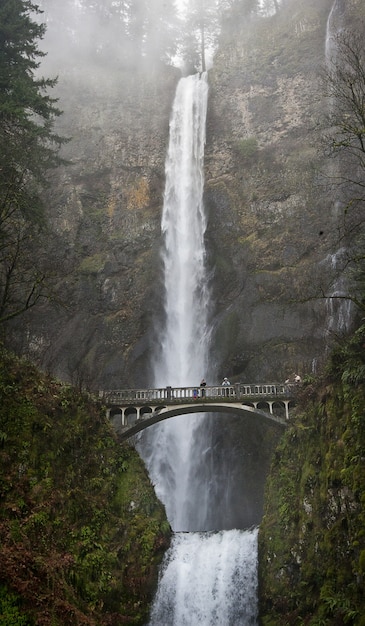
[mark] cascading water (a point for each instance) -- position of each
(181, 357)
(329, 42)
(339, 309)
(207, 578)
(184, 344)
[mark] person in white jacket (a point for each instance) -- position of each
(226, 383)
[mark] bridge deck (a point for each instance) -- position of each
(176, 395)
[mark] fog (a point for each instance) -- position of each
(134, 35)
(109, 33)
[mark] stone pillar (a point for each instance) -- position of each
(286, 404)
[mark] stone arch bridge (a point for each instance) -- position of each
(133, 410)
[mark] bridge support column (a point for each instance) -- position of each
(270, 406)
(286, 404)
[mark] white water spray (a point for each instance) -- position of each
(182, 355)
(184, 344)
(339, 308)
(207, 578)
(329, 42)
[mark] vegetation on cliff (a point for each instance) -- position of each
(81, 530)
(28, 150)
(312, 537)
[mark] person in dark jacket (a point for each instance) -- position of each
(202, 385)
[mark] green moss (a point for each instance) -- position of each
(362, 562)
(69, 535)
(246, 150)
(92, 264)
(311, 541)
(10, 613)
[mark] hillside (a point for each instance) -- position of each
(311, 540)
(81, 530)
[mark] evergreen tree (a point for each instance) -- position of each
(161, 31)
(201, 32)
(153, 30)
(28, 148)
(100, 28)
(235, 14)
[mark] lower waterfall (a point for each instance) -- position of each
(207, 578)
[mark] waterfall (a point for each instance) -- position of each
(339, 309)
(207, 578)
(204, 581)
(329, 43)
(181, 358)
(184, 343)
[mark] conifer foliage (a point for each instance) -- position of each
(28, 149)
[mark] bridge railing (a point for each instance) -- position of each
(236, 392)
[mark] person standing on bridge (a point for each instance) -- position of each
(226, 383)
(202, 385)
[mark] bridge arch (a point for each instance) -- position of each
(128, 424)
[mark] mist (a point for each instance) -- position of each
(108, 34)
(84, 36)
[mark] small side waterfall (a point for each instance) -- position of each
(339, 309)
(207, 578)
(329, 43)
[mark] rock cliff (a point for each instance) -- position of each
(271, 234)
(103, 242)
(272, 225)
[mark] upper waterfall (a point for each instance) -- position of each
(182, 358)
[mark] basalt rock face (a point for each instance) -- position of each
(104, 210)
(274, 209)
(271, 220)
(271, 226)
